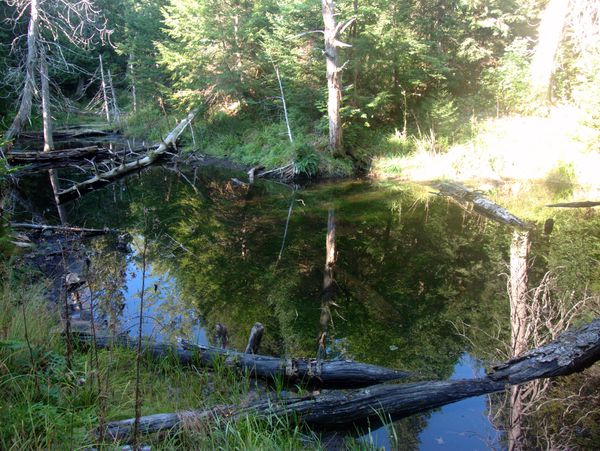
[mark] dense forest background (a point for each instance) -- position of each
(414, 73)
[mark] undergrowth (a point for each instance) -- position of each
(47, 405)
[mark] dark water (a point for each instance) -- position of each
(420, 284)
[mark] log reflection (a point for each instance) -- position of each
(328, 292)
(519, 253)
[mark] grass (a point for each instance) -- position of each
(46, 405)
(244, 140)
(517, 148)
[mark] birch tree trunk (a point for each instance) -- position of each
(104, 90)
(30, 68)
(115, 106)
(46, 113)
(334, 77)
(132, 78)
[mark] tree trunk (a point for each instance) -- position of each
(132, 79)
(572, 352)
(46, 113)
(62, 212)
(104, 90)
(114, 105)
(334, 77)
(285, 113)
(549, 36)
(30, 68)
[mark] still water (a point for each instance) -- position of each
(419, 283)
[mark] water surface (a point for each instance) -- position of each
(419, 283)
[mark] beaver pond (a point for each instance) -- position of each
(419, 283)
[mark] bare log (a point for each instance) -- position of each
(255, 338)
(329, 374)
(584, 204)
(71, 132)
(55, 155)
(124, 168)
(481, 205)
(572, 352)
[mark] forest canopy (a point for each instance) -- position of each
(388, 76)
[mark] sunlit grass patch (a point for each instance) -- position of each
(557, 148)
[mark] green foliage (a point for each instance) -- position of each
(149, 123)
(509, 80)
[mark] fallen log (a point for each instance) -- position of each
(55, 155)
(572, 352)
(42, 227)
(68, 133)
(125, 168)
(311, 372)
(484, 206)
(583, 204)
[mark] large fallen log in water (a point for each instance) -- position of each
(312, 372)
(103, 178)
(572, 352)
(481, 205)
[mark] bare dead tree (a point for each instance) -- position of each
(29, 66)
(51, 25)
(332, 30)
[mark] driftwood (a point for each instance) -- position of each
(329, 374)
(55, 155)
(572, 352)
(584, 204)
(125, 168)
(285, 173)
(481, 205)
(31, 226)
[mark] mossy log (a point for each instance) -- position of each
(572, 352)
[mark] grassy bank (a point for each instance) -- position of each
(54, 401)
(245, 140)
(558, 150)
